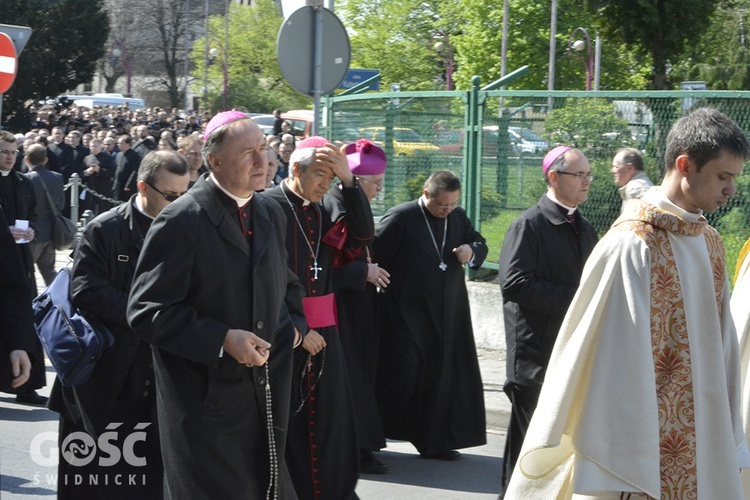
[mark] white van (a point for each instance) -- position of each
(89, 101)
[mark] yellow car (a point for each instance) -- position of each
(406, 142)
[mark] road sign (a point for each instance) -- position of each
(296, 46)
(19, 34)
(8, 62)
(356, 76)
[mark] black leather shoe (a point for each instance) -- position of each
(31, 398)
(368, 464)
(448, 456)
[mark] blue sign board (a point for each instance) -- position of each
(357, 76)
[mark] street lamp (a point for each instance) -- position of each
(441, 46)
(576, 48)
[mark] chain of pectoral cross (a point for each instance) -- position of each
(314, 254)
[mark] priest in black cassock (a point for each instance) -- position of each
(212, 296)
(355, 282)
(322, 450)
(430, 389)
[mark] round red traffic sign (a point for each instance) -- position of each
(8, 62)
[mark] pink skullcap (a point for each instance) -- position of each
(223, 118)
(313, 142)
(365, 158)
(553, 155)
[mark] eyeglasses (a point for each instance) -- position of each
(379, 183)
(169, 197)
(580, 175)
(448, 207)
(9, 152)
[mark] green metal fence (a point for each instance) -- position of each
(494, 140)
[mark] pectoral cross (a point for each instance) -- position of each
(315, 269)
(443, 266)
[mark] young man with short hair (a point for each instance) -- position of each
(642, 391)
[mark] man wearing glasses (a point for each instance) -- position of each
(430, 389)
(18, 201)
(121, 387)
(541, 261)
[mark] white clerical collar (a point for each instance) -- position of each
(241, 202)
(305, 201)
(551, 196)
(5, 173)
(138, 205)
(656, 197)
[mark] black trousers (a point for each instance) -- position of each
(524, 400)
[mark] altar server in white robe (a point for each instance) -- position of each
(642, 393)
(741, 314)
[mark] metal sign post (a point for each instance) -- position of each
(313, 52)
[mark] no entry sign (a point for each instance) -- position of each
(8, 62)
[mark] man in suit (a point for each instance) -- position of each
(214, 297)
(100, 167)
(44, 181)
(79, 152)
(18, 202)
(143, 143)
(541, 262)
(121, 387)
(126, 167)
(62, 151)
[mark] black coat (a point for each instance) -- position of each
(64, 154)
(78, 154)
(540, 268)
(45, 214)
(103, 270)
(16, 317)
(143, 147)
(126, 173)
(197, 277)
(22, 205)
(429, 386)
(121, 387)
(101, 181)
(359, 331)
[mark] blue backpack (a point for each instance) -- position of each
(73, 343)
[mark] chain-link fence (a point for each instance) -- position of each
(501, 167)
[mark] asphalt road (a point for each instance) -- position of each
(28, 438)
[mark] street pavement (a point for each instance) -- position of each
(28, 439)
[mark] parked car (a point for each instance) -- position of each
(452, 142)
(528, 141)
(301, 121)
(265, 122)
(406, 142)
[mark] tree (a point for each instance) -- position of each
(254, 79)
(659, 29)
(721, 58)
(398, 38)
(151, 36)
(61, 54)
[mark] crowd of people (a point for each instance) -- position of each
(242, 287)
(269, 336)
